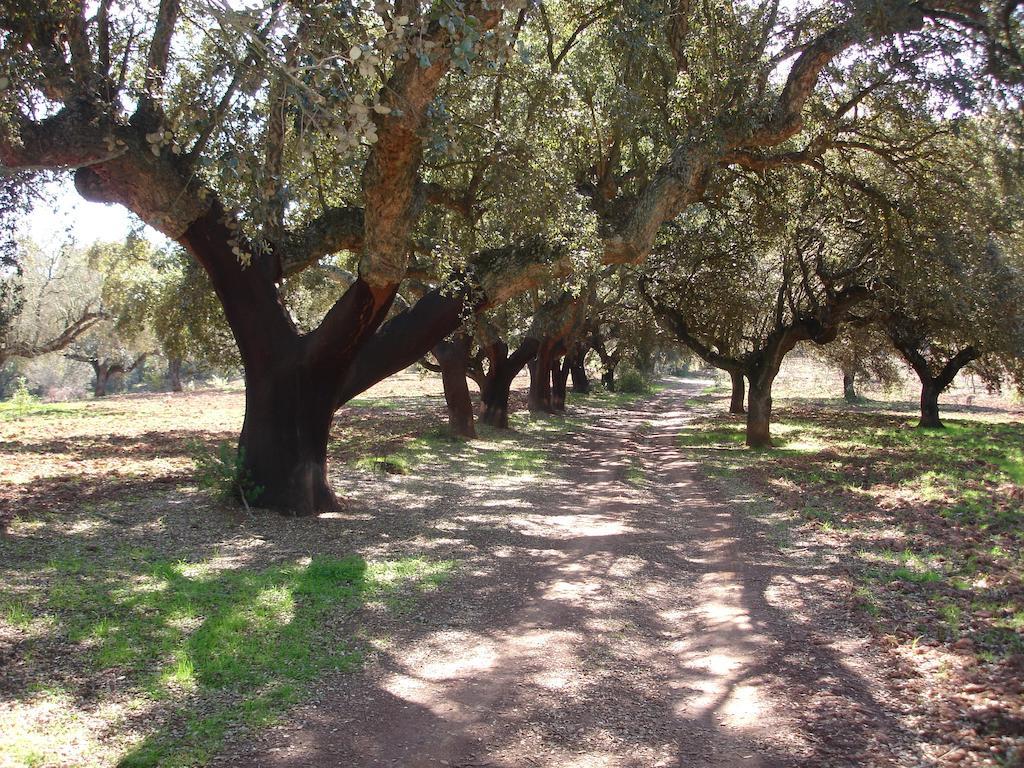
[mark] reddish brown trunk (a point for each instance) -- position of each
(738, 393)
(559, 379)
(930, 391)
(174, 374)
(502, 370)
(292, 382)
(759, 416)
(283, 446)
(453, 357)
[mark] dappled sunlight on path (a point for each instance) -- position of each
(616, 614)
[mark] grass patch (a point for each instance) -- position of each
(12, 410)
(216, 648)
(495, 453)
(951, 497)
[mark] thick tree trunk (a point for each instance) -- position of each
(930, 390)
(738, 392)
(576, 361)
(174, 374)
(502, 371)
(759, 415)
(580, 382)
(608, 378)
(495, 396)
(106, 378)
(850, 385)
(283, 446)
(539, 399)
(453, 356)
(560, 377)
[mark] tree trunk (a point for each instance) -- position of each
(578, 369)
(738, 392)
(560, 377)
(104, 375)
(580, 382)
(930, 391)
(174, 374)
(849, 385)
(539, 399)
(608, 378)
(759, 415)
(502, 371)
(283, 446)
(495, 396)
(453, 356)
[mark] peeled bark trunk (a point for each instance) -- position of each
(560, 377)
(608, 379)
(849, 386)
(759, 416)
(283, 446)
(931, 385)
(539, 399)
(576, 360)
(738, 392)
(107, 375)
(101, 387)
(930, 391)
(502, 371)
(495, 398)
(174, 374)
(292, 382)
(453, 356)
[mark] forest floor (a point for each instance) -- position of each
(621, 586)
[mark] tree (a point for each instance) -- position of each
(860, 352)
(795, 276)
(49, 300)
(952, 292)
(278, 112)
(330, 123)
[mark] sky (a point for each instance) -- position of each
(77, 219)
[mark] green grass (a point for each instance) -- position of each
(12, 410)
(952, 494)
(495, 453)
(223, 647)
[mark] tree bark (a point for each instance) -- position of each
(576, 359)
(608, 378)
(738, 392)
(453, 357)
(930, 391)
(174, 374)
(539, 399)
(580, 382)
(849, 385)
(502, 370)
(101, 386)
(283, 446)
(560, 377)
(759, 415)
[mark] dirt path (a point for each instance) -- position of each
(617, 614)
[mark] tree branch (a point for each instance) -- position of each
(336, 229)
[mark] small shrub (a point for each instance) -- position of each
(223, 472)
(22, 400)
(631, 381)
